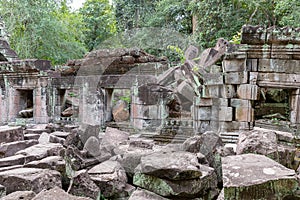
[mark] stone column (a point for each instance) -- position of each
(295, 107)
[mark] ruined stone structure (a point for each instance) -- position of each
(256, 79)
(241, 91)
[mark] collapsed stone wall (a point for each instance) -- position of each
(266, 58)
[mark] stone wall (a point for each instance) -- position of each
(266, 59)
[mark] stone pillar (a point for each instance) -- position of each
(295, 107)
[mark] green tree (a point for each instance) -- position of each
(43, 29)
(99, 22)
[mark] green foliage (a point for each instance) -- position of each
(43, 29)
(99, 22)
(178, 51)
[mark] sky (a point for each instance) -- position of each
(77, 4)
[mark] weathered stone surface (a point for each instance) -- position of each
(171, 165)
(74, 139)
(120, 111)
(130, 158)
(33, 179)
(141, 194)
(199, 187)
(110, 177)
(40, 151)
(26, 113)
(236, 65)
(114, 136)
(251, 176)
(61, 134)
(55, 139)
(98, 150)
(24, 195)
(248, 91)
(11, 134)
(12, 160)
(210, 145)
(69, 112)
(265, 142)
(2, 191)
(44, 138)
(9, 149)
(57, 193)
(82, 185)
(52, 162)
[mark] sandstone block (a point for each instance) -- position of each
(29, 179)
(141, 194)
(236, 77)
(11, 134)
(24, 195)
(244, 114)
(236, 65)
(9, 149)
(248, 91)
(250, 172)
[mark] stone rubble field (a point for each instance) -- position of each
(71, 162)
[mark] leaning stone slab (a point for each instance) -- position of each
(24, 195)
(181, 189)
(141, 194)
(2, 191)
(251, 176)
(9, 149)
(31, 179)
(11, 134)
(57, 193)
(40, 151)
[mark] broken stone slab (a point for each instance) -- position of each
(52, 162)
(130, 158)
(210, 145)
(11, 134)
(40, 151)
(24, 195)
(9, 149)
(170, 165)
(69, 112)
(57, 193)
(141, 194)
(98, 150)
(33, 179)
(83, 185)
(110, 177)
(55, 139)
(265, 142)
(114, 136)
(252, 176)
(37, 129)
(12, 160)
(192, 188)
(31, 136)
(60, 134)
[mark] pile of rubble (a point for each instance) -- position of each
(70, 162)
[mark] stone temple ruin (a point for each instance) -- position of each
(256, 83)
(107, 120)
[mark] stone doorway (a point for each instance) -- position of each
(25, 107)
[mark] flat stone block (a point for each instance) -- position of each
(198, 101)
(204, 113)
(252, 176)
(238, 65)
(277, 65)
(244, 114)
(221, 113)
(236, 77)
(29, 179)
(240, 103)
(252, 65)
(219, 91)
(11, 134)
(248, 91)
